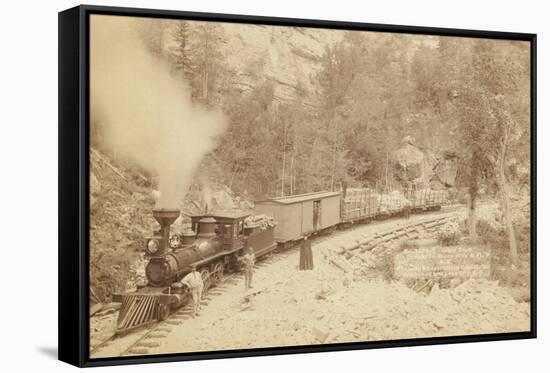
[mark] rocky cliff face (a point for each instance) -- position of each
(289, 57)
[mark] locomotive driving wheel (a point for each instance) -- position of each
(217, 274)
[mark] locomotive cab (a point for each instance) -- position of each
(228, 226)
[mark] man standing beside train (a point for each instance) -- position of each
(306, 255)
(248, 261)
(193, 280)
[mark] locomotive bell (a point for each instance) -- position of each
(165, 217)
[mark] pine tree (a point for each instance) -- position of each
(181, 56)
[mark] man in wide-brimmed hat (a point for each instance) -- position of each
(193, 280)
(248, 260)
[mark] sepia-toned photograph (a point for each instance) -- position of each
(264, 186)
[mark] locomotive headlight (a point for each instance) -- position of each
(152, 247)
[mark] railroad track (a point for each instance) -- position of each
(138, 341)
(150, 336)
(372, 241)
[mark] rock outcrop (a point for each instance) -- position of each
(413, 165)
(446, 169)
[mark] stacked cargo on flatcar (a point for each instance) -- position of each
(426, 199)
(363, 204)
(359, 204)
(393, 203)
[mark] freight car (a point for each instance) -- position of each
(321, 212)
(301, 215)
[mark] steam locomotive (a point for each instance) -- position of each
(216, 240)
(213, 244)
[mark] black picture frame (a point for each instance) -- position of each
(74, 183)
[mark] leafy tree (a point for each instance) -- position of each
(495, 115)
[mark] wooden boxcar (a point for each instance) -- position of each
(302, 214)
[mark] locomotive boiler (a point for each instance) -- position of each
(171, 257)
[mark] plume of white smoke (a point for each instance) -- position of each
(145, 111)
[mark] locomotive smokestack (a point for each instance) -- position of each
(165, 217)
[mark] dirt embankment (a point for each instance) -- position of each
(120, 218)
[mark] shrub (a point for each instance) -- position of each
(491, 235)
(407, 245)
(462, 196)
(386, 266)
(449, 234)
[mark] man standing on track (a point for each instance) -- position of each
(193, 280)
(248, 261)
